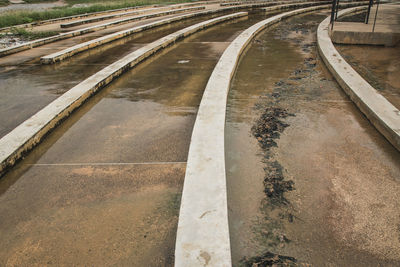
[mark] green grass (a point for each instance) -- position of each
(37, 1)
(28, 35)
(13, 18)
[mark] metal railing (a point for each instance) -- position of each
(335, 10)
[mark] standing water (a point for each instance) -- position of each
(310, 180)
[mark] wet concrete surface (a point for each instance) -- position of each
(104, 187)
(27, 88)
(33, 55)
(320, 186)
(378, 65)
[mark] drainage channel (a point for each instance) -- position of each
(310, 180)
(104, 187)
(26, 89)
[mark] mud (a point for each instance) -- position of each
(269, 259)
(267, 128)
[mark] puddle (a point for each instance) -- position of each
(307, 174)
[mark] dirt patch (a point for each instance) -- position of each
(268, 128)
(270, 259)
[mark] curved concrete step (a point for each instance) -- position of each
(124, 14)
(50, 21)
(381, 113)
(62, 36)
(203, 231)
(28, 134)
(71, 51)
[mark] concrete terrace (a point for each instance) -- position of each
(212, 133)
(386, 31)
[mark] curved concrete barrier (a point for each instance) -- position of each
(29, 133)
(382, 114)
(203, 231)
(50, 21)
(295, 5)
(130, 13)
(62, 36)
(98, 13)
(106, 17)
(73, 50)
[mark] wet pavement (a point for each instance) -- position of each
(104, 187)
(27, 88)
(310, 181)
(378, 65)
(33, 55)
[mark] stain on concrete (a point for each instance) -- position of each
(205, 257)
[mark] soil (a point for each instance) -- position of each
(10, 40)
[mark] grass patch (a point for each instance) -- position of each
(38, 1)
(13, 18)
(28, 35)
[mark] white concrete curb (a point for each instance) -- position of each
(203, 231)
(66, 35)
(129, 13)
(73, 50)
(107, 17)
(295, 5)
(29, 133)
(382, 114)
(98, 13)
(50, 21)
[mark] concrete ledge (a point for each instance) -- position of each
(101, 18)
(50, 21)
(236, 3)
(62, 36)
(253, 5)
(295, 5)
(381, 113)
(361, 33)
(136, 12)
(203, 231)
(264, 3)
(85, 15)
(69, 52)
(28, 134)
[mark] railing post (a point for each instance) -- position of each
(337, 9)
(371, 2)
(376, 14)
(333, 13)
